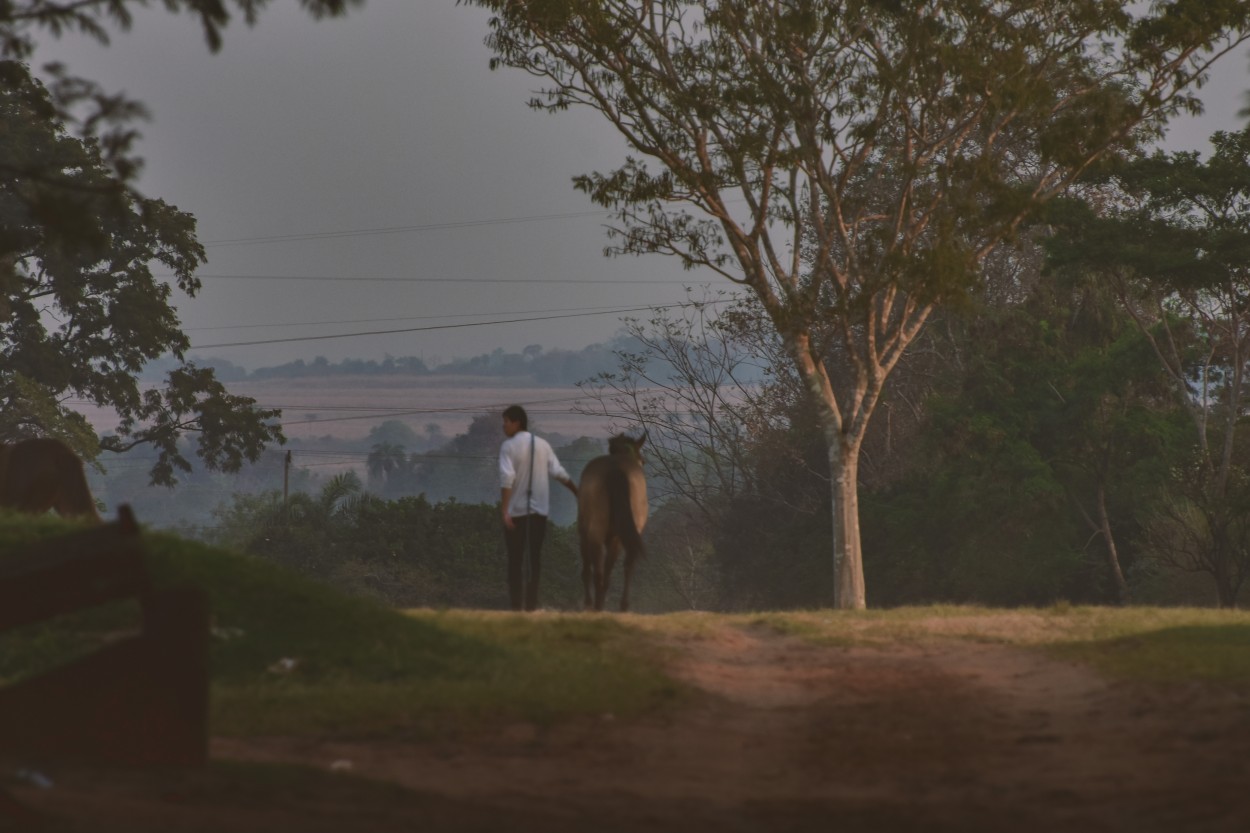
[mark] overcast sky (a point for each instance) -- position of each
(380, 151)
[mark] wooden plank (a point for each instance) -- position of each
(141, 701)
(72, 572)
(138, 701)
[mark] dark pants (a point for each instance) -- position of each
(531, 528)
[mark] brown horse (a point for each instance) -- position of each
(611, 513)
(41, 474)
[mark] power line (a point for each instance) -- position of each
(387, 409)
(438, 327)
(467, 408)
(391, 413)
(605, 415)
(330, 235)
(452, 409)
(380, 279)
(378, 230)
(342, 458)
(382, 320)
(374, 413)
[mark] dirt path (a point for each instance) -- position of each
(954, 735)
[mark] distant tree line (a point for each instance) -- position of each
(546, 367)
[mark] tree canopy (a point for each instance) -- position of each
(81, 311)
(1170, 234)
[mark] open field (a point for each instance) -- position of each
(340, 405)
(348, 406)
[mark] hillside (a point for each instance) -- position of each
(354, 665)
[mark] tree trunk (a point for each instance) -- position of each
(1225, 589)
(1226, 597)
(844, 436)
(848, 559)
(1113, 557)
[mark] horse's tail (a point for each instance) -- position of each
(74, 498)
(621, 514)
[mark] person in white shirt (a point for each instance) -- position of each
(526, 464)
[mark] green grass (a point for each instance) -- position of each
(1209, 653)
(360, 667)
(535, 669)
(363, 669)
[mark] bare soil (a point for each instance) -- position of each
(950, 735)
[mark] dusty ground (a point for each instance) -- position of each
(954, 735)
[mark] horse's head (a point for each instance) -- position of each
(622, 444)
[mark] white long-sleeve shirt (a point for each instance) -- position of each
(514, 473)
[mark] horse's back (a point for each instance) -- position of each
(44, 473)
(611, 513)
(594, 496)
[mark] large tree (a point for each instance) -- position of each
(852, 163)
(80, 309)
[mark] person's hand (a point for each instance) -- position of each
(507, 522)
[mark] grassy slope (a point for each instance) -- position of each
(363, 669)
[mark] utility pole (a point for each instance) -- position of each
(286, 485)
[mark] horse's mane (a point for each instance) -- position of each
(624, 442)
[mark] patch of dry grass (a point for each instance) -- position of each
(1166, 645)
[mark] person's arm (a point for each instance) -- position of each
(507, 478)
(505, 498)
(557, 471)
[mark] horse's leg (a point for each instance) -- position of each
(630, 558)
(589, 557)
(611, 549)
